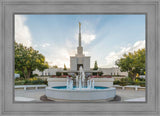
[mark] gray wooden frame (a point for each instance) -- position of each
(9, 7)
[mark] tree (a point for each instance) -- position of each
(55, 66)
(100, 73)
(65, 68)
(58, 74)
(95, 66)
(133, 63)
(28, 59)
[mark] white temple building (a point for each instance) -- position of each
(80, 60)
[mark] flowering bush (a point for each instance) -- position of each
(129, 81)
(31, 81)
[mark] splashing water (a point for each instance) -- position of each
(80, 81)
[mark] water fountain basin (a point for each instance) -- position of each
(96, 93)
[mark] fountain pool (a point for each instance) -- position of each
(83, 90)
(75, 88)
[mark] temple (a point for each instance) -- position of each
(79, 59)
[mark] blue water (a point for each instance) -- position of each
(64, 87)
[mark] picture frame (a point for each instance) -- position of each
(10, 7)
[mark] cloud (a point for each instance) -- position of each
(59, 57)
(60, 54)
(57, 54)
(86, 53)
(22, 32)
(113, 56)
(45, 45)
(87, 38)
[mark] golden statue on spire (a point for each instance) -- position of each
(79, 24)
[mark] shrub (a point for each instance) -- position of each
(137, 82)
(58, 74)
(32, 81)
(123, 83)
(129, 81)
(27, 82)
(141, 79)
(124, 79)
(100, 73)
(65, 73)
(116, 82)
(18, 79)
(19, 82)
(34, 75)
(94, 73)
(45, 82)
(142, 84)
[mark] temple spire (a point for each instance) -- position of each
(79, 27)
(79, 33)
(79, 48)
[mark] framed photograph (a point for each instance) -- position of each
(90, 66)
(79, 57)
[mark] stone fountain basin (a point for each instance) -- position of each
(83, 94)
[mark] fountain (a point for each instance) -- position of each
(80, 82)
(84, 90)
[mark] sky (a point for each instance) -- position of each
(104, 37)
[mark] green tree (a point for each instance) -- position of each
(133, 63)
(95, 66)
(65, 68)
(58, 74)
(28, 59)
(55, 66)
(100, 73)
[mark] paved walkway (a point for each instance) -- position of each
(36, 94)
(130, 94)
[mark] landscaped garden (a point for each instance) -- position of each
(133, 63)
(128, 81)
(31, 81)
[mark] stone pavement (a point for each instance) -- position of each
(130, 94)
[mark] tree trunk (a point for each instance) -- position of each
(131, 74)
(128, 73)
(24, 74)
(134, 76)
(28, 74)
